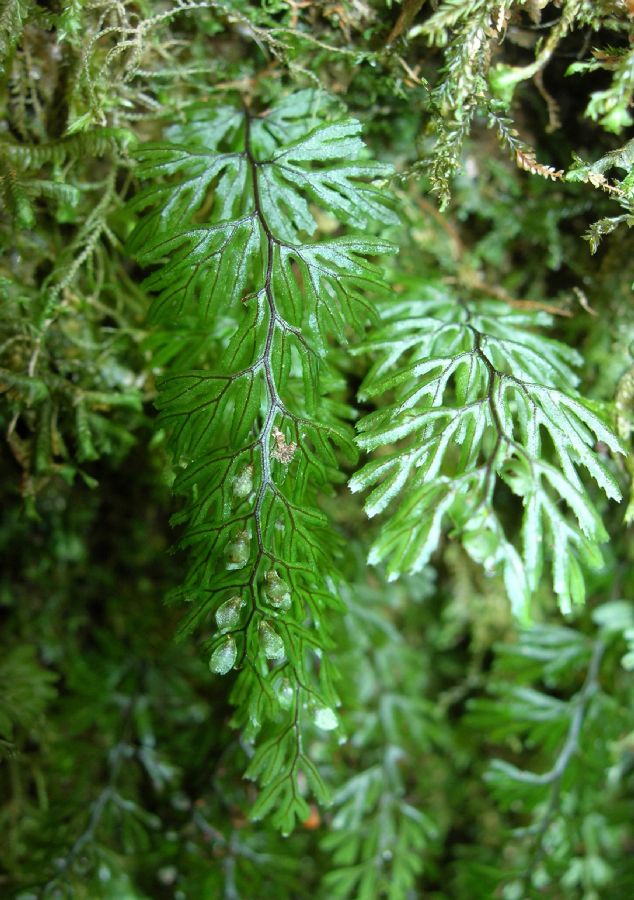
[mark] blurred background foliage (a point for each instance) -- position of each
(476, 759)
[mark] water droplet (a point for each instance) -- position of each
(224, 656)
(243, 482)
(167, 875)
(285, 693)
(104, 874)
(276, 591)
(325, 718)
(228, 614)
(238, 550)
(271, 642)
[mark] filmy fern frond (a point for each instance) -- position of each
(481, 401)
(255, 431)
(379, 840)
(547, 695)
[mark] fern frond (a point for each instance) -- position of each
(97, 142)
(481, 401)
(547, 695)
(256, 438)
(380, 839)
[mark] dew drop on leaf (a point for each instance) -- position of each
(284, 692)
(243, 482)
(276, 591)
(228, 614)
(224, 656)
(325, 718)
(238, 550)
(270, 641)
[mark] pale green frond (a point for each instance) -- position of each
(478, 396)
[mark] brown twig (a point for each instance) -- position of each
(474, 283)
(406, 17)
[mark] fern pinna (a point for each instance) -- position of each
(257, 430)
(481, 401)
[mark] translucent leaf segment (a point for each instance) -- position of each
(479, 400)
(230, 215)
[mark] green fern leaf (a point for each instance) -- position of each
(230, 209)
(480, 400)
